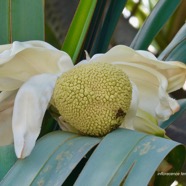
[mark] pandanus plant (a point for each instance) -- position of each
(111, 106)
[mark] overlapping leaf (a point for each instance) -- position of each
(154, 23)
(120, 158)
(52, 160)
(115, 9)
(129, 158)
(78, 29)
(176, 49)
(7, 159)
(21, 20)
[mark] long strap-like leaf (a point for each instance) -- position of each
(130, 158)
(52, 160)
(158, 17)
(78, 29)
(111, 19)
(21, 20)
(176, 49)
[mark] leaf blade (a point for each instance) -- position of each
(109, 24)
(53, 143)
(48, 150)
(178, 40)
(19, 23)
(7, 159)
(106, 160)
(4, 20)
(118, 159)
(27, 20)
(154, 23)
(78, 29)
(64, 160)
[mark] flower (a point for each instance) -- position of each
(93, 98)
(153, 79)
(29, 71)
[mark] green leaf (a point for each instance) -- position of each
(158, 17)
(52, 160)
(21, 20)
(177, 115)
(176, 49)
(78, 29)
(109, 23)
(4, 21)
(120, 158)
(27, 20)
(123, 156)
(7, 159)
(178, 52)
(94, 27)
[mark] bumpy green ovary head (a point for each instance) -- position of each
(93, 98)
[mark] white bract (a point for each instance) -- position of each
(28, 73)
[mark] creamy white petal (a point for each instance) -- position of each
(129, 118)
(6, 108)
(30, 105)
(146, 54)
(7, 99)
(87, 55)
(167, 107)
(22, 60)
(152, 86)
(9, 84)
(174, 71)
(140, 120)
(146, 123)
(152, 77)
(5, 47)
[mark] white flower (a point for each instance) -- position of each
(28, 73)
(154, 79)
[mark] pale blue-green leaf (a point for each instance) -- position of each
(147, 156)
(153, 24)
(34, 163)
(47, 152)
(177, 53)
(108, 156)
(64, 160)
(122, 157)
(177, 40)
(7, 159)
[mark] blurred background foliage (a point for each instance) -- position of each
(59, 15)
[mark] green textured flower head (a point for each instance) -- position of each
(93, 98)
